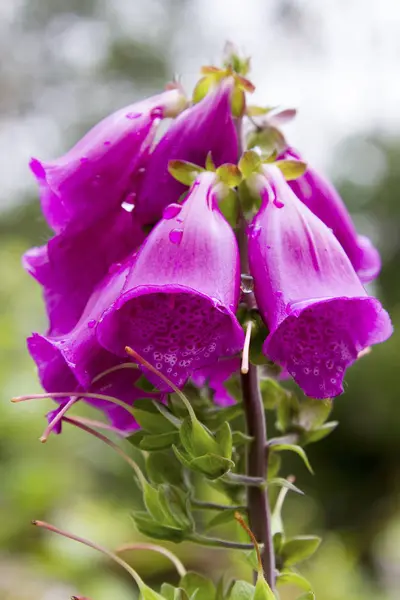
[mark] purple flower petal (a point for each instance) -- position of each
(216, 375)
(205, 127)
(324, 201)
(319, 315)
(178, 305)
(100, 170)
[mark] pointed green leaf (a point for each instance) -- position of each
(147, 593)
(191, 582)
(285, 483)
(168, 591)
(147, 526)
(223, 517)
(152, 503)
(202, 88)
(162, 467)
(293, 448)
(183, 457)
(320, 433)
(229, 174)
(149, 417)
(239, 439)
(174, 502)
(223, 437)
(268, 139)
(299, 548)
(196, 439)
(263, 591)
(272, 393)
(258, 111)
(313, 413)
(238, 101)
(287, 412)
(291, 169)
(212, 465)
(293, 578)
(210, 166)
(159, 441)
(184, 171)
(274, 464)
(242, 591)
(136, 438)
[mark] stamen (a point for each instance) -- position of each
(364, 352)
(77, 422)
(155, 548)
(150, 367)
(81, 395)
(251, 535)
(43, 525)
(57, 419)
(246, 349)
(98, 424)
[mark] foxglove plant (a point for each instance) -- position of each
(184, 274)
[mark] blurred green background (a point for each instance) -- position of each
(65, 64)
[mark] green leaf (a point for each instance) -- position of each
(152, 503)
(217, 416)
(147, 593)
(229, 174)
(258, 111)
(212, 465)
(168, 591)
(149, 417)
(191, 582)
(307, 596)
(162, 467)
(144, 384)
(293, 578)
(223, 517)
(274, 464)
(242, 591)
(285, 483)
(183, 457)
(291, 169)
(300, 548)
(268, 139)
(175, 504)
(159, 441)
(263, 591)
(320, 433)
(287, 412)
(249, 162)
(147, 526)
(272, 393)
(196, 439)
(293, 448)
(223, 437)
(136, 438)
(251, 559)
(313, 413)
(184, 171)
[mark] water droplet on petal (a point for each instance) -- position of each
(246, 283)
(176, 235)
(91, 323)
(278, 203)
(157, 112)
(127, 206)
(171, 211)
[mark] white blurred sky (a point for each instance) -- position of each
(337, 61)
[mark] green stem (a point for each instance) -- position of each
(204, 540)
(246, 480)
(214, 506)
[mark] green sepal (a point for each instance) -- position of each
(223, 437)
(268, 139)
(176, 505)
(238, 101)
(262, 590)
(293, 578)
(147, 593)
(212, 465)
(229, 206)
(229, 174)
(258, 111)
(153, 506)
(202, 88)
(194, 583)
(136, 438)
(287, 412)
(183, 171)
(159, 441)
(196, 439)
(242, 590)
(272, 393)
(147, 526)
(297, 549)
(210, 165)
(291, 169)
(144, 384)
(150, 418)
(249, 200)
(281, 482)
(215, 417)
(239, 439)
(293, 448)
(162, 467)
(274, 465)
(168, 591)
(249, 162)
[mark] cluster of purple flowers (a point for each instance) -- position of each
(137, 260)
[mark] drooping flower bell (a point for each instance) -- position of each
(216, 375)
(318, 314)
(323, 200)
(102, 169)
(206, 127)
(178, 305)
(74, 262)
(75, 362)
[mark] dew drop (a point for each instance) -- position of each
(176, 235)
(91, 323)
(157, 112)
(127, 206)
(171, 211)
(246, 283)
